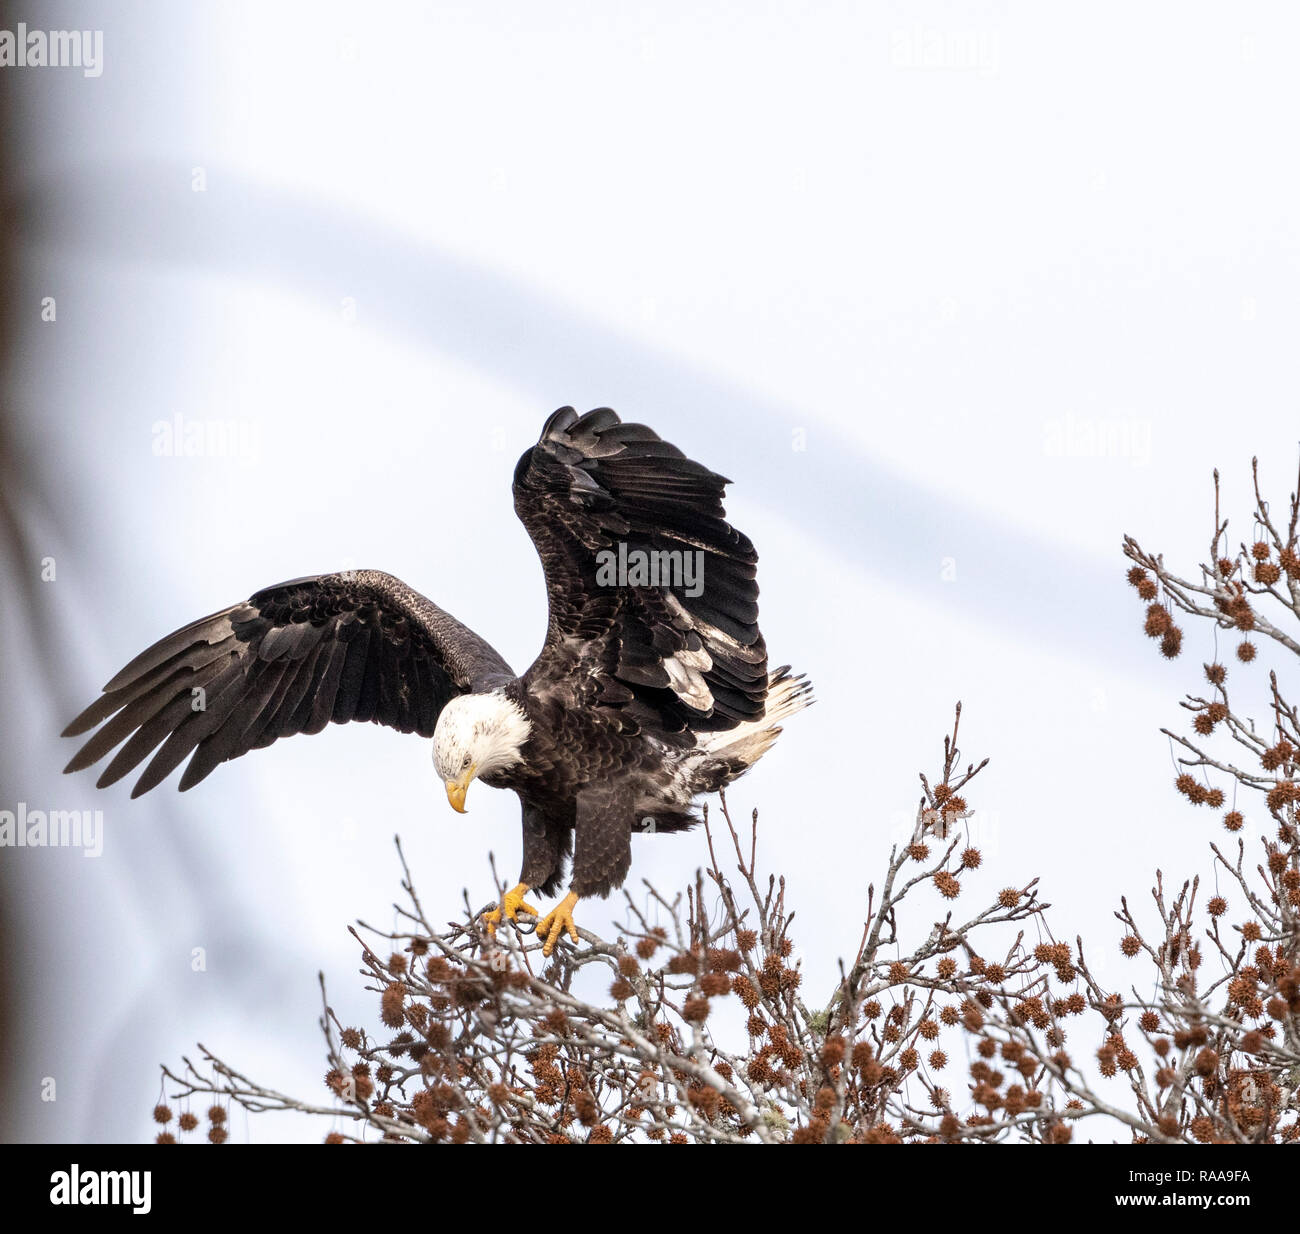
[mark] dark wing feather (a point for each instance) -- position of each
(660, 656)
(336, 647)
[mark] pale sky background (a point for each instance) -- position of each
(893, 269)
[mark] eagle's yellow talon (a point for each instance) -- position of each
(557, 922)
(512, 904)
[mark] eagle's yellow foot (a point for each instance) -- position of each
(512, 903)
(556, 922)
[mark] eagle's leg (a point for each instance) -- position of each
(512, 903)
(557, 922)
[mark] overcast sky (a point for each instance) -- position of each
(956, 295)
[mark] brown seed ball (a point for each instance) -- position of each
(1130, 945)
(1147, 590)
(1260, 550)
(1234, 820)
(1216, 674)
(162, 1114)
(164, 1137)
(188, 1121)
(1170, 647)
(216, 1114)
(1157, 621)
(217, 1135)
(947, 885)
(695, 1010)
(1246, 651)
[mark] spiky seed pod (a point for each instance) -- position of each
(1214, 798)
(1217, 906)
(1185, 783)
(715, 985)
(1216, 674)
(1289, 560)
(832, 1051)
(918, 852)
(1157, 621)
(390, 1005)
(1149, 1022)
(164, 1137)
(1267, 573)
(695, 1010)
(1135, 575)
(162, 1114)
(1130, 945)
(1226, 566)
(1203, 724)
(621, 990)
(1246, 651)
(1218, 712)
(1260, 550)
(1172, 643)
(1234, 820)
(216, 1115)
(1198, 794)
(947, 968)
(217, 1135)
(188, 1121)
(1280, 794)
(971, 858)
(1147, 590)
(1251, 932)
(1008, 897)
(947, 885)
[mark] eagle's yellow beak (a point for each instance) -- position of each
(456, 792)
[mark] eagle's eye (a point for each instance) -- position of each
(464, 763)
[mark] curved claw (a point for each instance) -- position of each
(512, 904)
(557, 922)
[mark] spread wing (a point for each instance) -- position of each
(360, 645)
(659, 654)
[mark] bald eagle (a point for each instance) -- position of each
(652, 688)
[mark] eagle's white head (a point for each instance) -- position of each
(476, 735)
